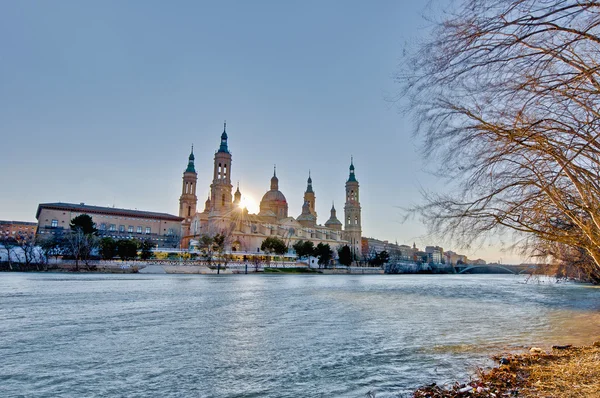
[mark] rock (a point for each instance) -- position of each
(596, 344)
(504, 361)
(536, 350)
(562, 347)
(465, 389)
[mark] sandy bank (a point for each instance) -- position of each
(559, 372)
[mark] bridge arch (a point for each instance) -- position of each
(470, 267)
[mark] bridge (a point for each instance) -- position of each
(494, 268)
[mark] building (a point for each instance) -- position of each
(453, 258)
(14, 228)
(162, 229)
(245, 232)
(435, 254)
(371, 246)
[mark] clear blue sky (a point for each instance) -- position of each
(100, 102)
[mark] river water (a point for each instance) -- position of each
(82, 335)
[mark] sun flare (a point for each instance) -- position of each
(250, 204)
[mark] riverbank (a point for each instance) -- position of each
(560, 372)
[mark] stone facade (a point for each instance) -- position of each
(162, 229)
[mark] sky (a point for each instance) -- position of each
(100, 102)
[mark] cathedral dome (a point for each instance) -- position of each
(274, 200)
(273, 196)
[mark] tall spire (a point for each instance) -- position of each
(351, 177)
(190, 167)
(223, 147)
(274, 180)
(309, 183)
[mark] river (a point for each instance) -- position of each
(133, 335)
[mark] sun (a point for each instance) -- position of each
(249, 203)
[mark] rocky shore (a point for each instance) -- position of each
(562, 371)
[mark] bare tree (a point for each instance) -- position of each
(53, 246)
(506, 96)
(8, 244)
(76, 241)
(30, 252)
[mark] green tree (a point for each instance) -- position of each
(146, 249)
(127, 249)
(81, 240)
(108, 248)
(323, 253)
(345, 255)
(85, 223)
(380, 258)
(273, 244)
(304, 248)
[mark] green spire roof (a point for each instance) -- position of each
(352, 177)
(190, 167)
(223, 147)
(309, 188)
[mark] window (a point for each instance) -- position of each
(113, 227)
(54, 223)
(121, 228)
(139, 230)
(130, 229)
(171, 232)
(102, 227)
(147, 230)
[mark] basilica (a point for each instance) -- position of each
(245, 232)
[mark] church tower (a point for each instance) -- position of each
(309, 196)
(220, 189)
(352, 218)
(188, 199)
(237, 197)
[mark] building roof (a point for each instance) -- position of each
(333, 221)
(7, 222)
(89, 209)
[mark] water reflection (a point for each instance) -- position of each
(271, 335)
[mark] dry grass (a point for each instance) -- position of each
(560, 373)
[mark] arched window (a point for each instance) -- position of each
(225, 171)
(223, 200)
(356, 220)
(189, 211)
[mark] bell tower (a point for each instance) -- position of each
(220, 189)
(309, 196)
(188, 199)
(352, 216)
